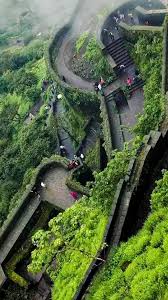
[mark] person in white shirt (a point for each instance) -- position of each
(43, 184)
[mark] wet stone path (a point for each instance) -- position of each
(56, 192)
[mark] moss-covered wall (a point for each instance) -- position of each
(131, 33)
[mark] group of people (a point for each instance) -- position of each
(63, 150)
(119, 17)
(73, 194)
(109, 33)
(99, 85)
(134, 79)
(75, 162)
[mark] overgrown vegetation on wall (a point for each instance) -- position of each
(148, 56)
(76, 235)
(138, 269)
(89, 62)
(74, 247)
(22, 145)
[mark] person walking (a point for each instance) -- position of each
(101, 81)
(63, 150)
(122, 68)
(111, 35)
(82, 156)
(43, 185)
(129, 81)
(74, 195)
(99, 87)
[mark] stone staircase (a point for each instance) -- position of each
(119, 53)
(21, 223)
(114, 120)
(92, 133)
(139, 83)
(112, 95)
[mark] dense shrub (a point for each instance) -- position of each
(148, 56)
(73, 237)
(137, 272)
(14, 60)
(22, 146)
(89, 62)
(138, 268)
(76, 235)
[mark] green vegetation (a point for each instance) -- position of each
(138, 269)
(74, 237)
(12, 60)
(93, 54)
(81, 41)
(22, 146)
(87, 103)
(72, 121)
(89, 62)
(26, 247)
(33, 142)
(77, 234)
(93, 159)
(148, 56)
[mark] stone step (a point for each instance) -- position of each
(115, 48)
(125, 61)
(115, 43)
(136, 85)
(120, 53)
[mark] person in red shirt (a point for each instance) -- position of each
(129, 81)
(74, 195)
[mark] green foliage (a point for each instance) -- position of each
(81, 41)
(16, 278)
(94, 55)
(88, 103)
(159, 197)
(76, 235)
(22, 146)
(72, 121)
(24, 250)
(92, 159)
(148, 55)
(138, 269)
(89, 62)
(14, 60)
(34, 142)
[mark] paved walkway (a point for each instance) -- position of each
(128, 111)
(63, 67)
(56, 191)
(128, 116)
(65, 138)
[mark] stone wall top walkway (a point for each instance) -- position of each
(56, 193)
(151, 11)
(63, 68)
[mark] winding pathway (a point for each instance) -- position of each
(125, 116)
(56, 193)
(63, 66)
